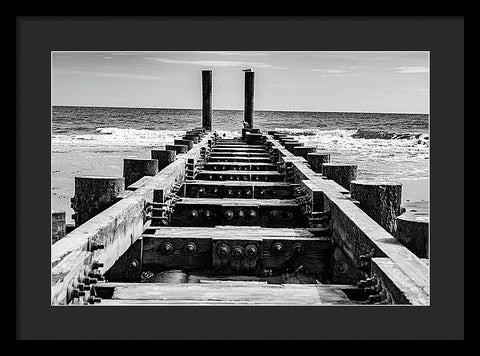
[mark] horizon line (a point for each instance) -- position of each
(268, 110)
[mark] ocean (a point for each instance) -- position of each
(94, 141)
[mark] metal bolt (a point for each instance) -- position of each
(252, 213)
(97, 246)
(238, 252)
(201, 191)
(277, 248)
(76, 293)
(96, 265)
(273, 215)
(132, 264)
(297, 248)
(248, 192)
(208, 214)
(88, 281)
(194, 213)
(251, 250)
(223, 250)
(166, 248)
(241, 214)
(228, 214)
(93, 300)
(190, 248)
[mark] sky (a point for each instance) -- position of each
(292, 81)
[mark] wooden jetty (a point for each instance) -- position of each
(250, 220)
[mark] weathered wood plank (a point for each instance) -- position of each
(231, 293)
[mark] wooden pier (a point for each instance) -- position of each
(250, 220)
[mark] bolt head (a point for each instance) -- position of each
(277, 248)
(297, 248)
(228, 214)
(190, 248)
(238, 252)
(194, 213)
(241, 214)
(166, 248)
(251, 250)
(223, 250)
(132, 264)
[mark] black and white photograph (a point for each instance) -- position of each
(240, 178)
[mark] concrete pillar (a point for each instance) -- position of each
(179, 149)
(188, 143)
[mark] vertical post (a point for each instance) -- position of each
(58, 225)
(249, 94)
(207, 100)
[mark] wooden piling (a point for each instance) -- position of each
(412, 230)
(95, 194)
(289, 145)
(134, 169)
(302, 151)
(207, 99)
(316, 161)
(343, 174)
(380, 200)
(177, 148)
(58, 225)
(249, 97)
(188, 143)
(164, 157)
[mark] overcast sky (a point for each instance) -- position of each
(294, 81)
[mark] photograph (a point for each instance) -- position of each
(240, 178)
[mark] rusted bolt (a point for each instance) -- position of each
(241, 214)
(223, 250)
(95, 275)
(215, 190)
(289, 215)
(248, 192)
(252, 213)
(76, 293)
(96, 265)
(97, 246)
(238, 252)
(88, 281)
(132, 264)
(194, 214)
(190, 248)
(93, 300)
(273, 215)
(239, 192)
(263, 192)
(277, 248)
(166, 248)
(228, 215)
(201, 191)
(251, 250)
(297, 248)
(207, 214)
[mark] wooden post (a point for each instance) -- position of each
(58, 225)
(249, 95)
(164, 157)
(177, 148)
(381, 201)
(134, 169)
(343, 174)
(95, 194)
(290, 144)
(207, 100)
(302, 151)
(316, 161)
(188, 143)
(412, 230)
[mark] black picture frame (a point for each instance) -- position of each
(442, 36)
